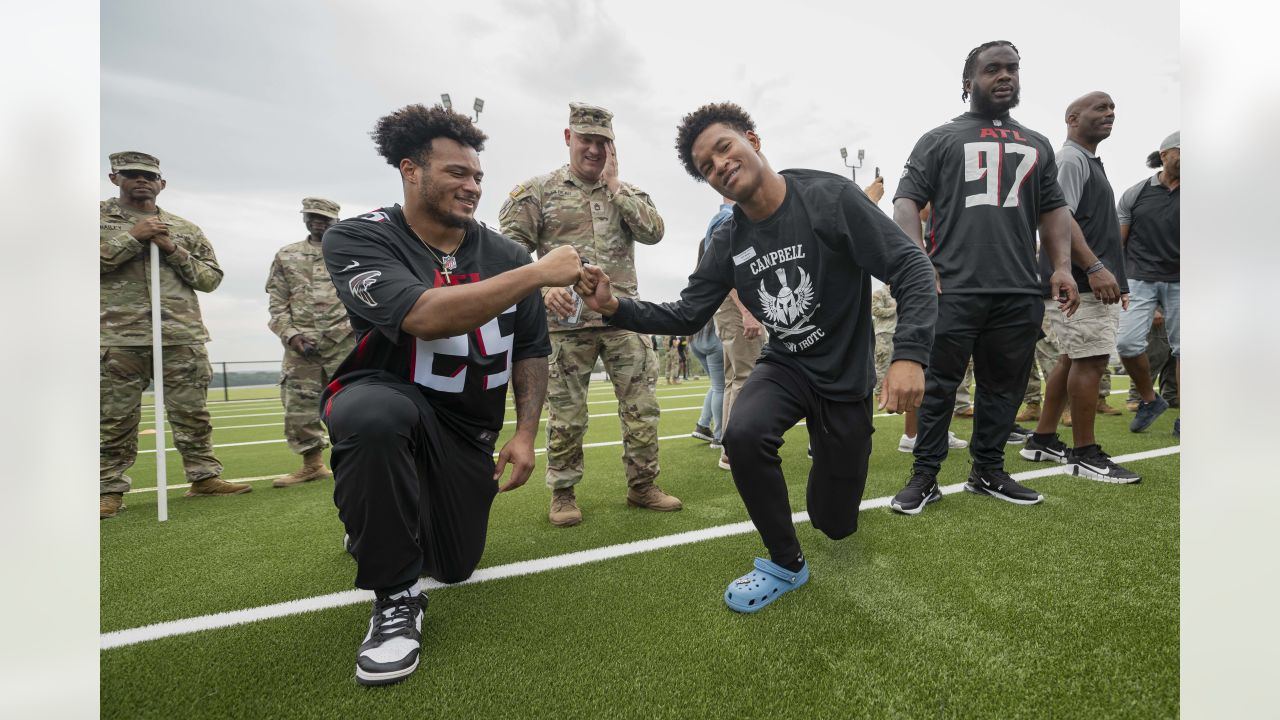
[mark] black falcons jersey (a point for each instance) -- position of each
(380, 269)
(989, 179)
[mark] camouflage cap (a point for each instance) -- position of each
(134, 160)
(320, 206)
(590, 120)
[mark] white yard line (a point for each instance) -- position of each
(132, 636)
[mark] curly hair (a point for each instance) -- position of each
(972, 60)
(692, 125)
(408, 132)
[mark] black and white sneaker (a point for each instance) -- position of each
(1052, 450)
(702, 432)
(921, 490)
(1018, 435)
(1091, 462)
(390, 650)
(998, 484)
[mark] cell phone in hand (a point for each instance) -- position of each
(877, 171)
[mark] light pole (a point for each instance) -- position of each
(853, 169)
(478, 106)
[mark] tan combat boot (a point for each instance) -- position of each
(312, 469)
(110, 505)
(564, 508)
(1030, 414)
(213, 487)
(1104, 408)
(650, 496)
(1066, 417)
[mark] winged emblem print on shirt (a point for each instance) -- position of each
(360, 285)
(789, 310)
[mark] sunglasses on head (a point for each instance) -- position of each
(135, 174)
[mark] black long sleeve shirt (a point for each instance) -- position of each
(805, 273)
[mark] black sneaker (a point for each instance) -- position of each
(1019, 435)
(1177, 428)
(391, 648)
(921, 490)
(1052, 450)
(1091, 462)
(998, 484)
(1147, 413)
(702, 432)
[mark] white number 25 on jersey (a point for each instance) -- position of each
(983, 159)
(491, 342)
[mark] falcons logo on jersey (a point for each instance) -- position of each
(790, 307)
(360, 284)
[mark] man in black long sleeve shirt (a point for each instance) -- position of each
(800, 250)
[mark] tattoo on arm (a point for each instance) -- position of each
(529, 382)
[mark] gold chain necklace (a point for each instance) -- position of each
(448, 262)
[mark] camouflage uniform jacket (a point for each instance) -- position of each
(560, 209)
(125, 280)
(303, 299)
(884, 311)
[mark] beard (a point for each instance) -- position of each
(436, 199)
(987, 105)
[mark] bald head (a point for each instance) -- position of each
(1089, 118)
(1085, 101)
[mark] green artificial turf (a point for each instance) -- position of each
(976, 608)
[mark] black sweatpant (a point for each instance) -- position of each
(772, 401)
(1000, 333)
(413, 493)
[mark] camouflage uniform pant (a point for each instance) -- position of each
(884, 356)
(632, 367)
(124, 374)
(964, 396)
(302, 379)
(740, 353)
(673, 365)
(1046, 358)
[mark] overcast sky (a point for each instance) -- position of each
(252, 106)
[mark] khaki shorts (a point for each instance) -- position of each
(1090, 332)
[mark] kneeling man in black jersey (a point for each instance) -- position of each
(800, 250)
(447, 312)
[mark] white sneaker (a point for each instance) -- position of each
(390, 650)
(908, 444)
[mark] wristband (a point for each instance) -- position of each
(1095, 268)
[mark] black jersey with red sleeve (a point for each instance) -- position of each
(380, 269)
(989, 179)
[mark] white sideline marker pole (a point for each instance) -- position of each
(157, 374)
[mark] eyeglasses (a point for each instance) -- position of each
(136, 174)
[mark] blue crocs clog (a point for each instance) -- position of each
(753, 591)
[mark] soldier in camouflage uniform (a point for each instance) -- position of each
(584, 204)
(312, 324)
(128, 225)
